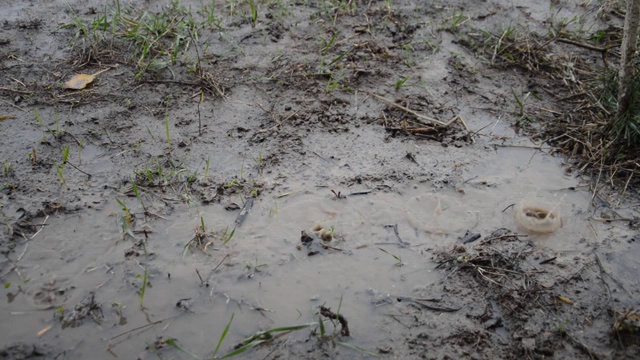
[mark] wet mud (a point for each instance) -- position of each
(301, 179)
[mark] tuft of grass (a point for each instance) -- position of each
(254, 12)
(455, 21)
(153, 40)
(624, 131)
(520, 101)
(400, 83)
(60, 168)
(125, 219)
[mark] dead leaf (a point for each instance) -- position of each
(5, 117)
(80, 81)
(565, 300)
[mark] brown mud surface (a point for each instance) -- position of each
(307, 179)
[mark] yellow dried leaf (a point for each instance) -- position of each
(5, 117)
(565, 300)
(80, 81)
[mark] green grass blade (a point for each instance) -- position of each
(230, 236)
(224, 334)
(322, 329)
(144, 287)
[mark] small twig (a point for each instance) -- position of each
(199, 277)
(547, 260)
(16, 91)
(420, 116)
(41, 227)
(74, 138)
(23, 251)
(625, 188)
(75, 167)
(585, 46)
(220, 263)
(142, 327)
(278, 123)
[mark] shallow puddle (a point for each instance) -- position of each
(262, 276)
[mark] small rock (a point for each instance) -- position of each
(529, 343)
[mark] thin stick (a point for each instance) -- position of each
(16, 91)
(25, 250)
(220, 263)
(75, 167)
(595, 188)
(142, 327)
(389, 102)
(37, 232)
(585, 46)
(625, 189)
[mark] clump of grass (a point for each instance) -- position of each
(60, 168)
(400, 83)
(623, 131)
(202, 239)
(254, 12)
(157, 39)
(125, 219)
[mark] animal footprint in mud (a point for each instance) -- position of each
(48, 296)
(538, 216)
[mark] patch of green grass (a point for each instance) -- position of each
(254, 12)
(210, 15)
(455, 21)
(400, 83)
(157, 39)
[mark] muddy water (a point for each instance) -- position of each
(262, 278)
(85, 251)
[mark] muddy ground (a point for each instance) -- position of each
(307, 179)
